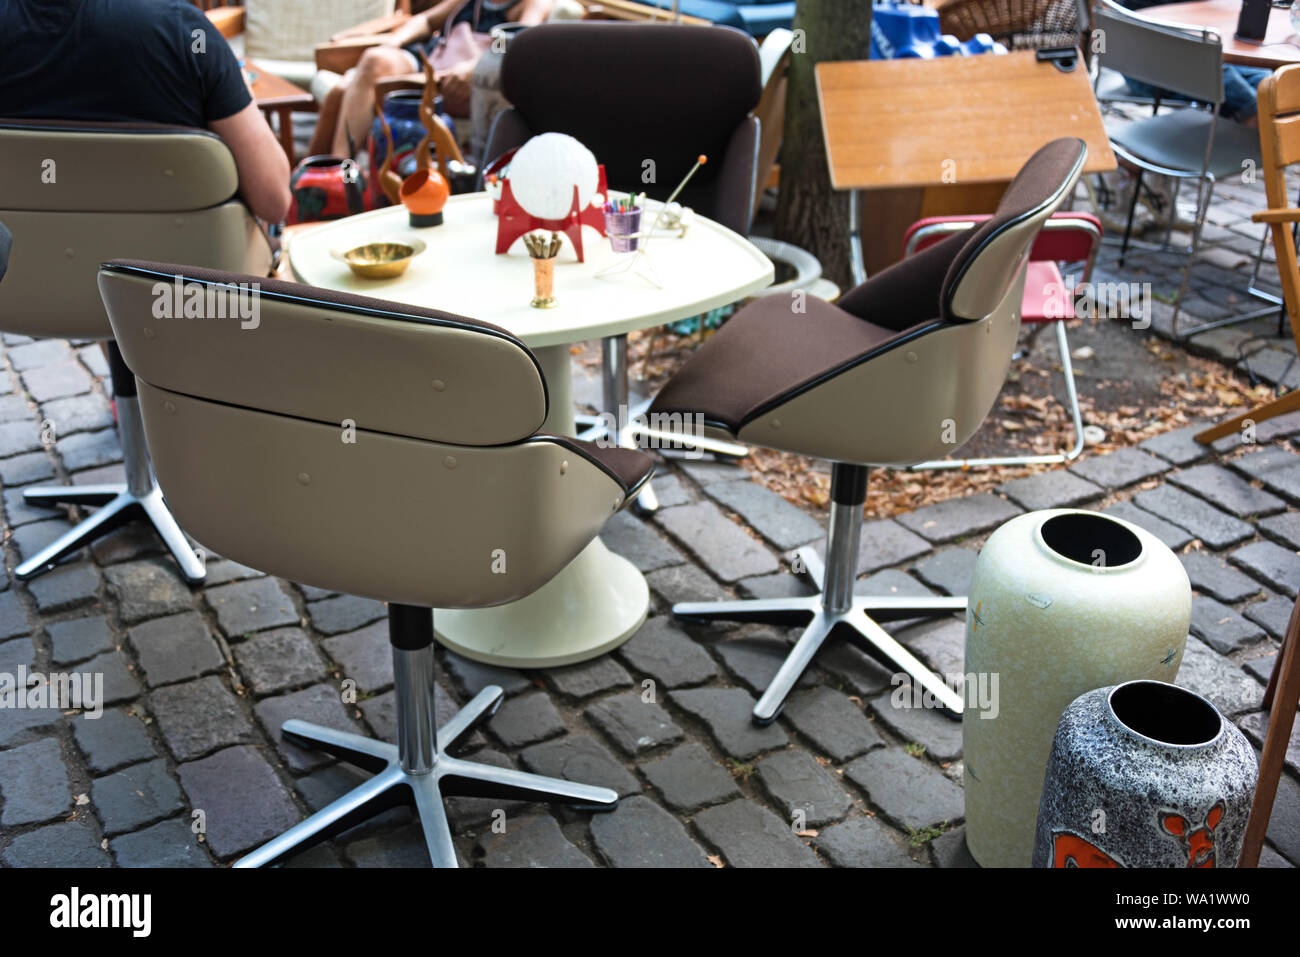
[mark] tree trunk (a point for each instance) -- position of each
(809, 213)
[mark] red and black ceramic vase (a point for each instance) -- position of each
(326, 187)
(1145, 774)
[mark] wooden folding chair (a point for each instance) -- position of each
(1280, 700)
(1279, 140)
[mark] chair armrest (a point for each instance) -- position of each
(229, 21)
(342, 56)
(1276, 216)
(945, 226)
(372, 27)
(403, 81)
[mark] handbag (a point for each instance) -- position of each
(462, 43)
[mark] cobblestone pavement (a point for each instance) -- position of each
(197, 682)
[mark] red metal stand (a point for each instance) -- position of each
(513, 221)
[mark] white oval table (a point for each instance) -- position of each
(600, 599)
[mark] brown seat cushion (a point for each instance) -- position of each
(768, 350)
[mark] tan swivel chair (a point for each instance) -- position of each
(74, 195)
(444, 494)
(904, 369)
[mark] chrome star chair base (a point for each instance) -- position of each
(417, 770)
(116, 503)
(836, 612)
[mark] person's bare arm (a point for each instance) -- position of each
(421, 26)
(533, 12)
(261, 163)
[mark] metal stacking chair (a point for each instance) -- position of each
(1185, 144)
(1066, 237)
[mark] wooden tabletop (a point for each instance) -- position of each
(965, 120)
(270, 90)
(1221, 17)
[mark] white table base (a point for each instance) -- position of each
(593, 605)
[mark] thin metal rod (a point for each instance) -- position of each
(613, 375)
(1132, 208)
(856, 267)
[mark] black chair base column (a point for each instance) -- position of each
(138, 497)
(417, 770)
(836, 612)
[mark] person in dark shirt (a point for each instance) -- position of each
(156, 61)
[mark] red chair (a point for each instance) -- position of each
(1066, 237)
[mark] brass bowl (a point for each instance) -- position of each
(386, 259)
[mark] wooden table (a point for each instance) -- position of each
(277, 96)
(600, 599)
(1278, 48)
(944, 136)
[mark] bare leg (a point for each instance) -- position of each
(322, 138)
(358, 103)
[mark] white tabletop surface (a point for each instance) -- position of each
(459, 273)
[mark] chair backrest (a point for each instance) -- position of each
(645, 98)
(1176, 58)
(351, 443)
(81, 193)
(983, 272)
(1279, 140)
(291, 29)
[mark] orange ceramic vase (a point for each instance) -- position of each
(424, 193)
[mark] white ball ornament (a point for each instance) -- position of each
(544, 171)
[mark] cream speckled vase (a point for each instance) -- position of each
(1062, 601)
